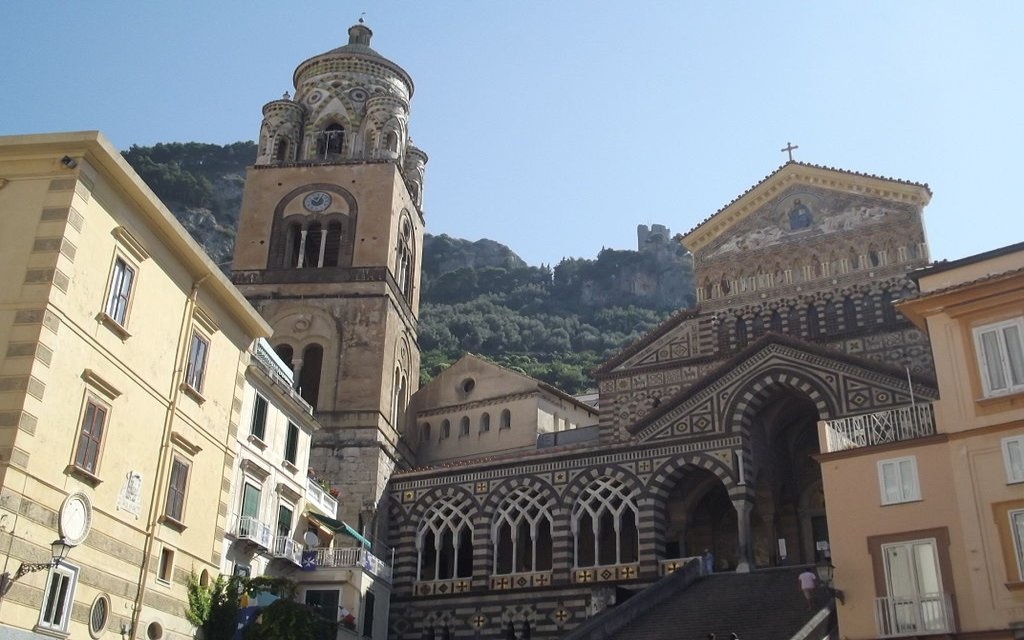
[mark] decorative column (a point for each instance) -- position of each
(743, 509)
(302, 249)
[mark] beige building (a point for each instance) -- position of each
(931, 540)
(124, 351)
(476, 408)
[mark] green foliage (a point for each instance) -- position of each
(199, 600)
(285, 619)
(223, 616)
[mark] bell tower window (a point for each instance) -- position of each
(313, 246)
(281, 150)
(331, 142)
(332, 244)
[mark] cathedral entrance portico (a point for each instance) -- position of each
(699, 515)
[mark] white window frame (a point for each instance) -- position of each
(62, 571)
(115, 289)
(912, 496)
(1017, 535)
(195, 369)
(1014, 473)
(998, 328)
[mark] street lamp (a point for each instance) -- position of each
(59, 550)
(826, 573)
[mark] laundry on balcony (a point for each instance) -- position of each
(337, 526)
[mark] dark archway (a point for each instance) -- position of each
(699, 515)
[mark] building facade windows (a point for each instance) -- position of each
(258, 427)
(506, 419)
(99, 615)
(464, 426)
(121, 280)
(58, 597)
(446, 429)
(485, 422)
(1000, 351)
(291, 444)
(166, 567)
(177, 489)
(195, 370)
(897, 479)
(444, 542)
(914, 602)
(521, 533)
(1013, 458)
(1016, 517)
(90, 436)
(284, 520)
(604, 524)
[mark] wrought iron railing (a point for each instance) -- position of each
(894, 425)
(917, 615)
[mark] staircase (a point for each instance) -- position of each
(762, 605)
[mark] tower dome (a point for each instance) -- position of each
(350, 104)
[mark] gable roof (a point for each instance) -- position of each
(647, 339)
(766, 342)
(801, 172)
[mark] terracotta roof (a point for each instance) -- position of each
(924, 185)
(631, 350)
(945, 265)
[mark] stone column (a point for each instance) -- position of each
(302, 249)
(743, 508)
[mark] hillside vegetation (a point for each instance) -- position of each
(554, 324)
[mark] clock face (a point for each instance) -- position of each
(317, 201)
(75, 518)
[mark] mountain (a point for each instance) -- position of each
(555, 324)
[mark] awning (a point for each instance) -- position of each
(337, 526)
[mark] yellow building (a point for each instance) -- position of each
(926, 503)
(123, 352)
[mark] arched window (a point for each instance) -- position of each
(775, 322)
(854, 259)
(391, 141)
(604, 524)
(332, 244)
(286, 353)
(425, 431)
(793, 322)
(446, 429)
(331, 142)
(485, 422)
(294, 245)
(281, 150)
(398, 400)
(741, 332)
(464, 426)
(444, 541)
(849, 314)
(521, 533)
(813, 322)
(309, 376)
(888, 311)
(404, 259)
(874, 258)
(506, 419)
(831, 318)
(313, 246)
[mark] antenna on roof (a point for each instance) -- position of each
(361, 16)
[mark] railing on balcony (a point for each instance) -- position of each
(267, 361)
(249, 528)
(353, 557)
(320, 499)
(894, 425)
(286, 548)
(917, 615)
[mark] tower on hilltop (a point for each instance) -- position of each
(328, 249)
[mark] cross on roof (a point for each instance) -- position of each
(789, 149)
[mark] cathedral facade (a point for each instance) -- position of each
(704, 432)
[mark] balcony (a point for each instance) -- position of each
(320, 499)
(353, 557)
(916, 615)
(251, 529)
(287, 549)
(868, 430)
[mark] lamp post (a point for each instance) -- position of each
(826, 573)
(59, 550)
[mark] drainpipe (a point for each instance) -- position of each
(153, 520)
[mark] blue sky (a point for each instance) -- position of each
(557, 127)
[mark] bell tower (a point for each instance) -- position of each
(328, 250)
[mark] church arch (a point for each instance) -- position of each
(308, 339)
(752, 395)
(311, 373)
(287, 232)
(405, 255)
(605, 523)
(444, 535)
(522, 532)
